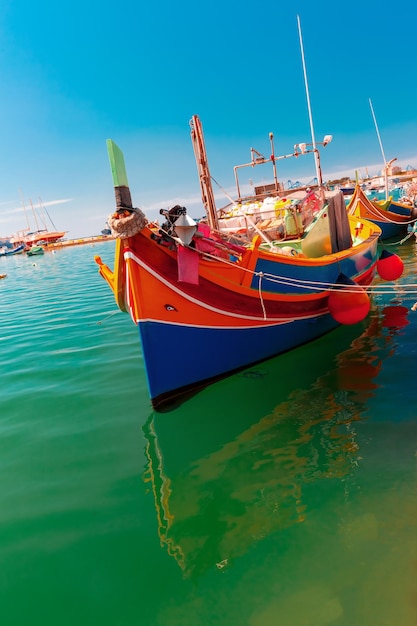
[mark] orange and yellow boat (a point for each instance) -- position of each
(263, 275)
(393, 218)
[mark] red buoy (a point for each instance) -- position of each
(348, 303)
(389, 266)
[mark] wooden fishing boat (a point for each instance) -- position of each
(261, 276)
(402, 206)
(393, 218)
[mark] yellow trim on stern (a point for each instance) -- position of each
(115, 279)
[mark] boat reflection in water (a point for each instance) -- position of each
(224, 479)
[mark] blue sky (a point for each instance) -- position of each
(76, 73)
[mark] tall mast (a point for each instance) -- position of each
(207, 194)
(313, 138)
(24, 209)
(34, 215)
(386, 165)
(377, 132)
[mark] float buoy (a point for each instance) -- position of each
(348, 302)
(389, 266)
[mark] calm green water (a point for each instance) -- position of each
(282, 496)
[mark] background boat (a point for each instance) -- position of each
(35, 250)
(394, 219)
(9, 251)
(44, 237)
(38, 235)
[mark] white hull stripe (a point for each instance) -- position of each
(131, 255)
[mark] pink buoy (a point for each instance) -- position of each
(389, 266)
(348, 303)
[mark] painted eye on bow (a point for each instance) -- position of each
(169, 307)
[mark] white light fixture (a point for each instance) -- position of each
(185, 227)
(327, 139)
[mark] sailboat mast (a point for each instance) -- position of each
(382, 149)
(24, 209)
(34, 215)
(313, 138)
(377, 132)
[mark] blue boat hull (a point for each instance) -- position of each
(391, 230)
(12, 251)
(232, 349)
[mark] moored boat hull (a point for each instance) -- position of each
(212, 303)
(208, 354)
(12, 251)
(391, 230)
(392, 218)
(35, 251)
(192, 335)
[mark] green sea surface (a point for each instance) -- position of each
(284, 495)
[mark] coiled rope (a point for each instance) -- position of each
(127, 222)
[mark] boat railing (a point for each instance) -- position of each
(257, 158)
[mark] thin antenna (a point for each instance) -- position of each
(386, 165)
(274, 163)
(377, 132)
(313, 139)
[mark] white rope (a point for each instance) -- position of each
(260, 274)
(312, 285)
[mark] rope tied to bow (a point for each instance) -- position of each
(126, 222)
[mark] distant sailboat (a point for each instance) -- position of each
(44, 236)
(40, 235)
